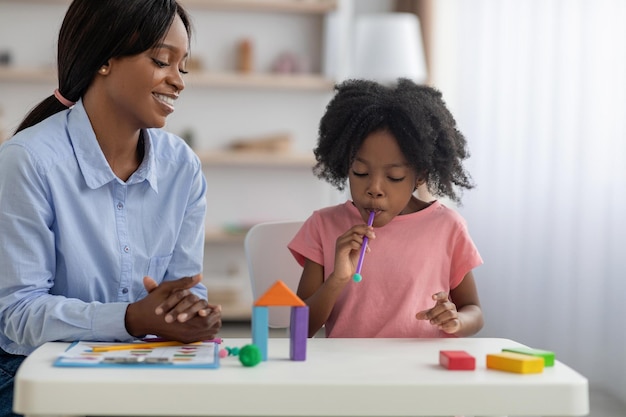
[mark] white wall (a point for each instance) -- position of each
(19, 25)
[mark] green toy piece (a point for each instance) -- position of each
(234, 351)
(548, 356)
(249, 355)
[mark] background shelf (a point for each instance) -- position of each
(201, 79)
(256, 159)
(287, 6)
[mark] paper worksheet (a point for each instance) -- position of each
(196, 355)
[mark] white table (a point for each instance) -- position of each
(341, 377)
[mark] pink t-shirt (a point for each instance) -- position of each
(412, 257)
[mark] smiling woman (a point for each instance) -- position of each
(139, 91)
(103, 211)
(136, 92)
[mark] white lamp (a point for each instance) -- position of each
(389, 46)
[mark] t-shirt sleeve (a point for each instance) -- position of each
(307, 243)
(465, 256)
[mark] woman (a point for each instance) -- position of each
(103, 212)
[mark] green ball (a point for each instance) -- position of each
(249, 355)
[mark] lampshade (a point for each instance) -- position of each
(388, 46)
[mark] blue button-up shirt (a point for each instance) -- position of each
(76, 241)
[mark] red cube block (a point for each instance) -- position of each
(457, 360)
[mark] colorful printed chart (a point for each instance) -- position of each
(198, 355)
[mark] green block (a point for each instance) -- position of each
(548, 357)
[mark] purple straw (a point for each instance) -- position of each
(357, 275)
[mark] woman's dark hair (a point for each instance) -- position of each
(94, 31)
(415, 115)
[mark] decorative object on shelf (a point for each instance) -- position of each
(194, 64)
(189, 136)
(389, 46)
(237, 229)
(273, 143)
(5, 57)
(245, 56)
(290, 63)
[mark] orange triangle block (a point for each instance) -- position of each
(279, 294)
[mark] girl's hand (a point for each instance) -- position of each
(444, 314)
(347, 250)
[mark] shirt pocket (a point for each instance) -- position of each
(158, 266)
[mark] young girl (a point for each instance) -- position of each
(103, 213)
(417, 269)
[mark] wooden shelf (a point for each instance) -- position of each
(233, 307)
(286, 6)
(236, 311)
(221, 236)
(256, 159)
(261, 81)
(30, 75)
(232, 293)
(297, 82)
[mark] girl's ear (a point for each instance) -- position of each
(421, 180)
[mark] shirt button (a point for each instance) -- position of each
(120, 206)
(126, 249)
(124, 290)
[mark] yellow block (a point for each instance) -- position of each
(515, 362)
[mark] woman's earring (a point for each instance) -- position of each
(103, 70)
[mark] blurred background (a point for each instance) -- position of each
(538, 87)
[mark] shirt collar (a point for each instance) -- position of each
(93, 165)
(147, 170)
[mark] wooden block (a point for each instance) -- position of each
(298, 333)
(548, 356)
(260, 332)
(457, 360)
(279, 294)
(515, 362)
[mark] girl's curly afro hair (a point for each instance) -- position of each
(415, 115)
